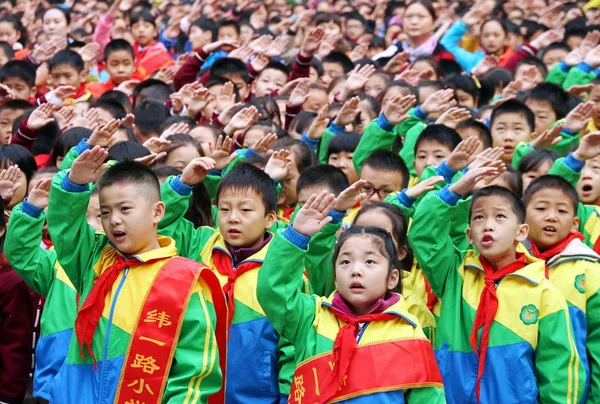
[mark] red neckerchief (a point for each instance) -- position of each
(288, 211)
(224, 265)
(431, 297)
(345, 346)
(486, 311)
(597, 246)
(91, 311)
(80, 92)
(555, 249)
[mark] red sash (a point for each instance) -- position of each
(152, 345)
(374, 369)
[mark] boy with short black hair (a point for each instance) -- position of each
(511, 123)
(149, 118)
(119, 59)
(524, 320)
(271, 79)
(434, 145)
(235, 71)
(384, 173)
(228, 30)
(472, 127)
(19, 76)
(9, 111)
(335, 65)
(67, 69)
(157, 354)
(549, 103)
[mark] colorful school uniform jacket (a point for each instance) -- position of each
(260, 362)
(42, 272)
(150, 59)
(531, 355)
(191, 373)
(310, 324)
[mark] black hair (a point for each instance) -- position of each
(373, 104)
(554, 46)
(229, 23)
(152, 89)
(246, 177)
(493, 190)
(66, 57)
(399, 83)
(19, 69)
(500, 21)
(439, 134)
(150, 115)
(386, 160)
(317, 65)
(430, 60)
(553, 94)
(483, 132)
(116, 96)
(46, 170)
(355, 16)
(494, 78)
(127, 151)
(131, 172)
(64, 12)
(326, 175)
(173, 119)
(267, 107)
(69, 139)
(8, 50)
(553, 182)
(513, 107)
(427, 4)
(341, 59)
(321, 17)
(15, 104)
(464, 83)
(533, 61)
(304, 156)
(206, 24)
(436, 85)
(276, 66)
(16, 23)
(513, 179)
(114, 108)
(11, 154)
(383, 243)
(229, 66)
(118, 45)
(142, 15)
(343, 143)
(535, 159)
(301, 123)
(530, 28)
(448, 67)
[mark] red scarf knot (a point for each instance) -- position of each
(555, 249)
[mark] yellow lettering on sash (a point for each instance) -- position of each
(331, 365)
(162, 318)
(142, 386)
(155, 341)
(146, 363)
(317, 392)
(299, 389)
(132, 401)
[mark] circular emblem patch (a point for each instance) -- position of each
(529, 314)
(580, 283)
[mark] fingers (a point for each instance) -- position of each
(43, 185)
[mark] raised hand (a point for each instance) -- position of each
(261, 44)
(547, 38)
(174, 129)
(486, 157)
(312, 41)
(225, 99)
(197, 170)
(41, 116)
(165, 75)
(86, 119)
(356, 80)
(259, 62)
(348, 112)
(423, 187)
(151, 158)
(6, 93)
(313, 216)
(220, 153)
(453, 117)
(228, 112)
(264, 144)
(397, 63)
(438, 102)
(187, 90)
(299, 94)
(592, 58)
(351, 196)
(89, 166)
(468, 181)
(44, 52)
(279, 165)
(512, 89)
(102, 136)
(548, 139)
(242, 53)
(89, 52)
(128, 86)
(280, 45)
(177, 103)
(580, 90)
(319, 124)
(242, 120)
(227, 46)
(8, 183)
(589, 147)
(40, 193)
(579, 117)
(464, 153)
(488, 63)
(396, 108)
(64, 117)
(156, 144)
(358, 52)
(61, 93)
(198, 102)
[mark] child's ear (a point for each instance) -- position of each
(32, 94)
(159, 212)
(533, 135)
(402, 252)
(469, 235)
(575, 227)
(271, 219)
(393, 279)
(83, 76)
(282, 196)
(522, 233)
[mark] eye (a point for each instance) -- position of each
(344, 262)
(478, 217)
(246, 210)
(540, 209)
(563, 211)
(500, 216)
(103, 213)
(370, 262)
(224, 210)
(125, 209)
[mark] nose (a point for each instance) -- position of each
(356, 270)
(115, 220)
(233, 217)
(375, 198)
(431, 161)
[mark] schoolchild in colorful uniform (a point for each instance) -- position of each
(151, 326)
(348, 346)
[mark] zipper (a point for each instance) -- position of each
(362, 331)
(108, 329)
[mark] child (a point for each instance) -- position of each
(340, 151)
(335, 65)
(271, 79)
(9, 111)
(384, 173)
(511, 123)
(549, 103)
(247, 203)
(150, 55)
(235, 71)
(119, 59)
(536, 164)
(526, 352)
(16, 329)
(67, 69)
(551, 204)
(19, 76)
(434, 145)
(150, 116)
(339, 341)
(130, 266)
(12, 154)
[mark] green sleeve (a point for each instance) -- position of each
(577, 76)
(196, 356)
(522, 150)
(324, 145)
(407, 211)
(286, 365)
(408, 146)
(189, 240)
(459, 225)
(374, 138)
(560, 169)
(567, 144)
(239, 158)
(67, 162)
(559, 371)
(76, 243)
(425, 395)
(557, 75)
(22, 249)
(593, 345)
(279, 292)
(319, 259)
(430, 239)
(212, 183)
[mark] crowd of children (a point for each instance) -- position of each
(299, 201)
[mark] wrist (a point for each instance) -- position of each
(30, 208)
(450, 194)
(180, 186)
(575, 161)
(298, 239)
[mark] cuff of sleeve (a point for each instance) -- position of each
(299, 240)
(214, 173)
(304, 60)
(201, 56)
(30, 209)
(82, 146)
(448, 196)
(69, 186)
(312, 143)
(597, 72)
(564, 67)
(26, 132)
(251, 154)
(336, 129)
(384, 124)
(179, 187)
(584, 67)
(419, 113)
(445, 172)
(337, 216)
(405, 199)
(567, 132)
(573, 163)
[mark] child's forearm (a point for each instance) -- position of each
(23, 251)
(408, 147)
(522, 150)
(324, 145)
(319, 259)
(579, 75)
(378, 135)
(558, 74)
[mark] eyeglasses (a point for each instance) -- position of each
(382, 192)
